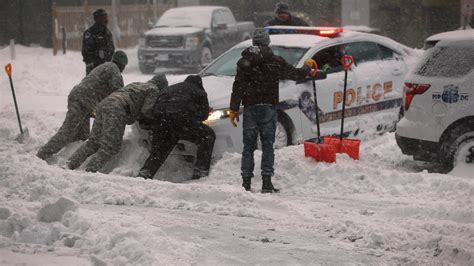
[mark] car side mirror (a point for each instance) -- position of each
(151, 25)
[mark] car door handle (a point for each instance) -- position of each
(397, 72)
(341, 82)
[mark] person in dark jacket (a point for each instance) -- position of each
(97, 43)
(179, 111)
(256, 88)
(283, 17)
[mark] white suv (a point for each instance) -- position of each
(439, 105)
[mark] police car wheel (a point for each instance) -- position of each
(457, 148)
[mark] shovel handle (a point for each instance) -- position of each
(8, 69)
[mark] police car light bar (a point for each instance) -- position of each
(319, 31)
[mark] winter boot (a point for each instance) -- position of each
(246, 183)
(145, 173)
(267, 186)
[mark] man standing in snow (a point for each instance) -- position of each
(256, 88)
(82, 102)
(97, 43)
(119, 109)
(283, 17)
(180, 110)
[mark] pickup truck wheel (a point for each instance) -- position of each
(206, 56)
(146, 69)
(458, 147)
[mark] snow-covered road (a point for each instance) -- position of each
(383, 209)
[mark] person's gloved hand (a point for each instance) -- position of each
(310, 63)
(233, 116)
(326, 68)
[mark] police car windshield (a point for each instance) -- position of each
(447, 61)
(226, 65)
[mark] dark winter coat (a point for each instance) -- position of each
(188, 98)
(97, 45)
(258, 74)
(292, 21)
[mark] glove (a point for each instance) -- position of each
(233, 116)
(310, 63)
(326, 68)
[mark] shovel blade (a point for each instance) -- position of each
(22, 137)
(320, 152)
(347, 146)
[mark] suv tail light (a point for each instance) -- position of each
(412, 89)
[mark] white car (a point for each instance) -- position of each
(439, 105)
(374, 93)
(449, 35)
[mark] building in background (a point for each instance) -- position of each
(40, 22)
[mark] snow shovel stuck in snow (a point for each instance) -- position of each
(320, 151)
(24, 134)
(345, 145)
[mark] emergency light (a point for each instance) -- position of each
(319, 31)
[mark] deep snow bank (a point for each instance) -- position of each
(381, 206)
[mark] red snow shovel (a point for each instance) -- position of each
(24, 134)
(320, 151)
(345, 145)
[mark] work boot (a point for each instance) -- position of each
(246, 183)
(145, 173)
(43, 155)
(267, 186)
(198, 173)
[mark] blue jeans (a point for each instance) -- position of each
(258, 119)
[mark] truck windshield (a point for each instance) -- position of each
(180, 17)
(226, 65)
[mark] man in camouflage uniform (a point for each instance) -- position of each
(121, 108)
(82, 101)
(97, 43)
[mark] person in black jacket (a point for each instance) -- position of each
(180, 110)
(256, 88)
(283, 17)
(97, 43)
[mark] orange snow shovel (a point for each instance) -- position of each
(345, 145)
(24, 134)
(319, 150)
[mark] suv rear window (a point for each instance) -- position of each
(448, 61)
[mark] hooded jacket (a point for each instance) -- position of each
(187, 99)
(259, 72)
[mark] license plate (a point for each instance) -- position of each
(162, 57)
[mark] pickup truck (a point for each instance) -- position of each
(190, 37)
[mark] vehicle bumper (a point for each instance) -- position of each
(421, 150)
(228, 137)
(168, 57)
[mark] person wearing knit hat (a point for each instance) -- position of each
(119, 109)
(256, 87)
(283, 17)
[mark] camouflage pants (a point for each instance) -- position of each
(105, 139)
(76, 126)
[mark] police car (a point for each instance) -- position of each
(439, 104)
(374, 92)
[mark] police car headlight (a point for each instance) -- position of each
(192, 43)
(218, 114)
